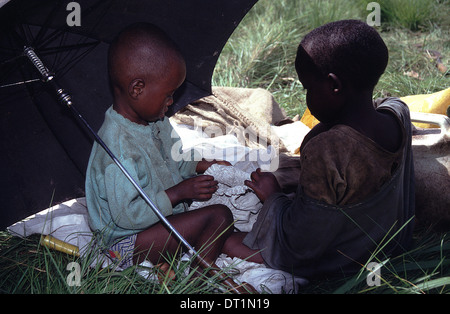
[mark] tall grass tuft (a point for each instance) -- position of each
(425, 269)
(409, 14)
(261, 51)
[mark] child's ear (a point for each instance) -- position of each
(335, 83)
(136, 88)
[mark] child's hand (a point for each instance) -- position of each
(204, 164)
(198, 188)
(263, 184)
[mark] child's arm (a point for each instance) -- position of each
(263, 184)
(198, 188)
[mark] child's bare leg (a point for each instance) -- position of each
(206, 229)
(234, 247)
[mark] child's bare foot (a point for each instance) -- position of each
(165, 272)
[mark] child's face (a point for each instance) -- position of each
(320, 95)
(156, 96)
(316, 95)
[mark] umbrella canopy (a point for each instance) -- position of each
(44, 149)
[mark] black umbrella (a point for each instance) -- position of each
(44, 150)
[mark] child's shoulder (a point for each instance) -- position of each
(340, 144)
(396, 106)
(120, 134)
(111, 127)
(323, 137)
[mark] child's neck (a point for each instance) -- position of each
(128, 113)
(360, 114)
(358, 109)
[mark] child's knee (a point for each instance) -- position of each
(222, 214)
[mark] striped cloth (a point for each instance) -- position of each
(122, 252)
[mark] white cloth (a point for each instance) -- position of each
(225, 147)
(241, 200)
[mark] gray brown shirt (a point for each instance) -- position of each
(348, 205)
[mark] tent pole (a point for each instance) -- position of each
(65, 99)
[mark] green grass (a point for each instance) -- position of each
(27, 267)
(425, 269)
(410, 14)
(261, 53)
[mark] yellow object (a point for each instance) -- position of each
(428, 103)
(55, 244)
(431, 103)
(308, 119)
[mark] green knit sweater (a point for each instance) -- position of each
(152, 156)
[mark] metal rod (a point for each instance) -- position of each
(19, 83)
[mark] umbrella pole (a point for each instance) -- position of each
(65, 99)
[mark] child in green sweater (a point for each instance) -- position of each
(145, 69)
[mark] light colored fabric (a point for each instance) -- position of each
(248, 113)
(225, 147)
(241, 200)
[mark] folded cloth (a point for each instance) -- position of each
(262, 278)
(232, 192)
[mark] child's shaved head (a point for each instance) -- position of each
(141, 50)
(351, 49)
